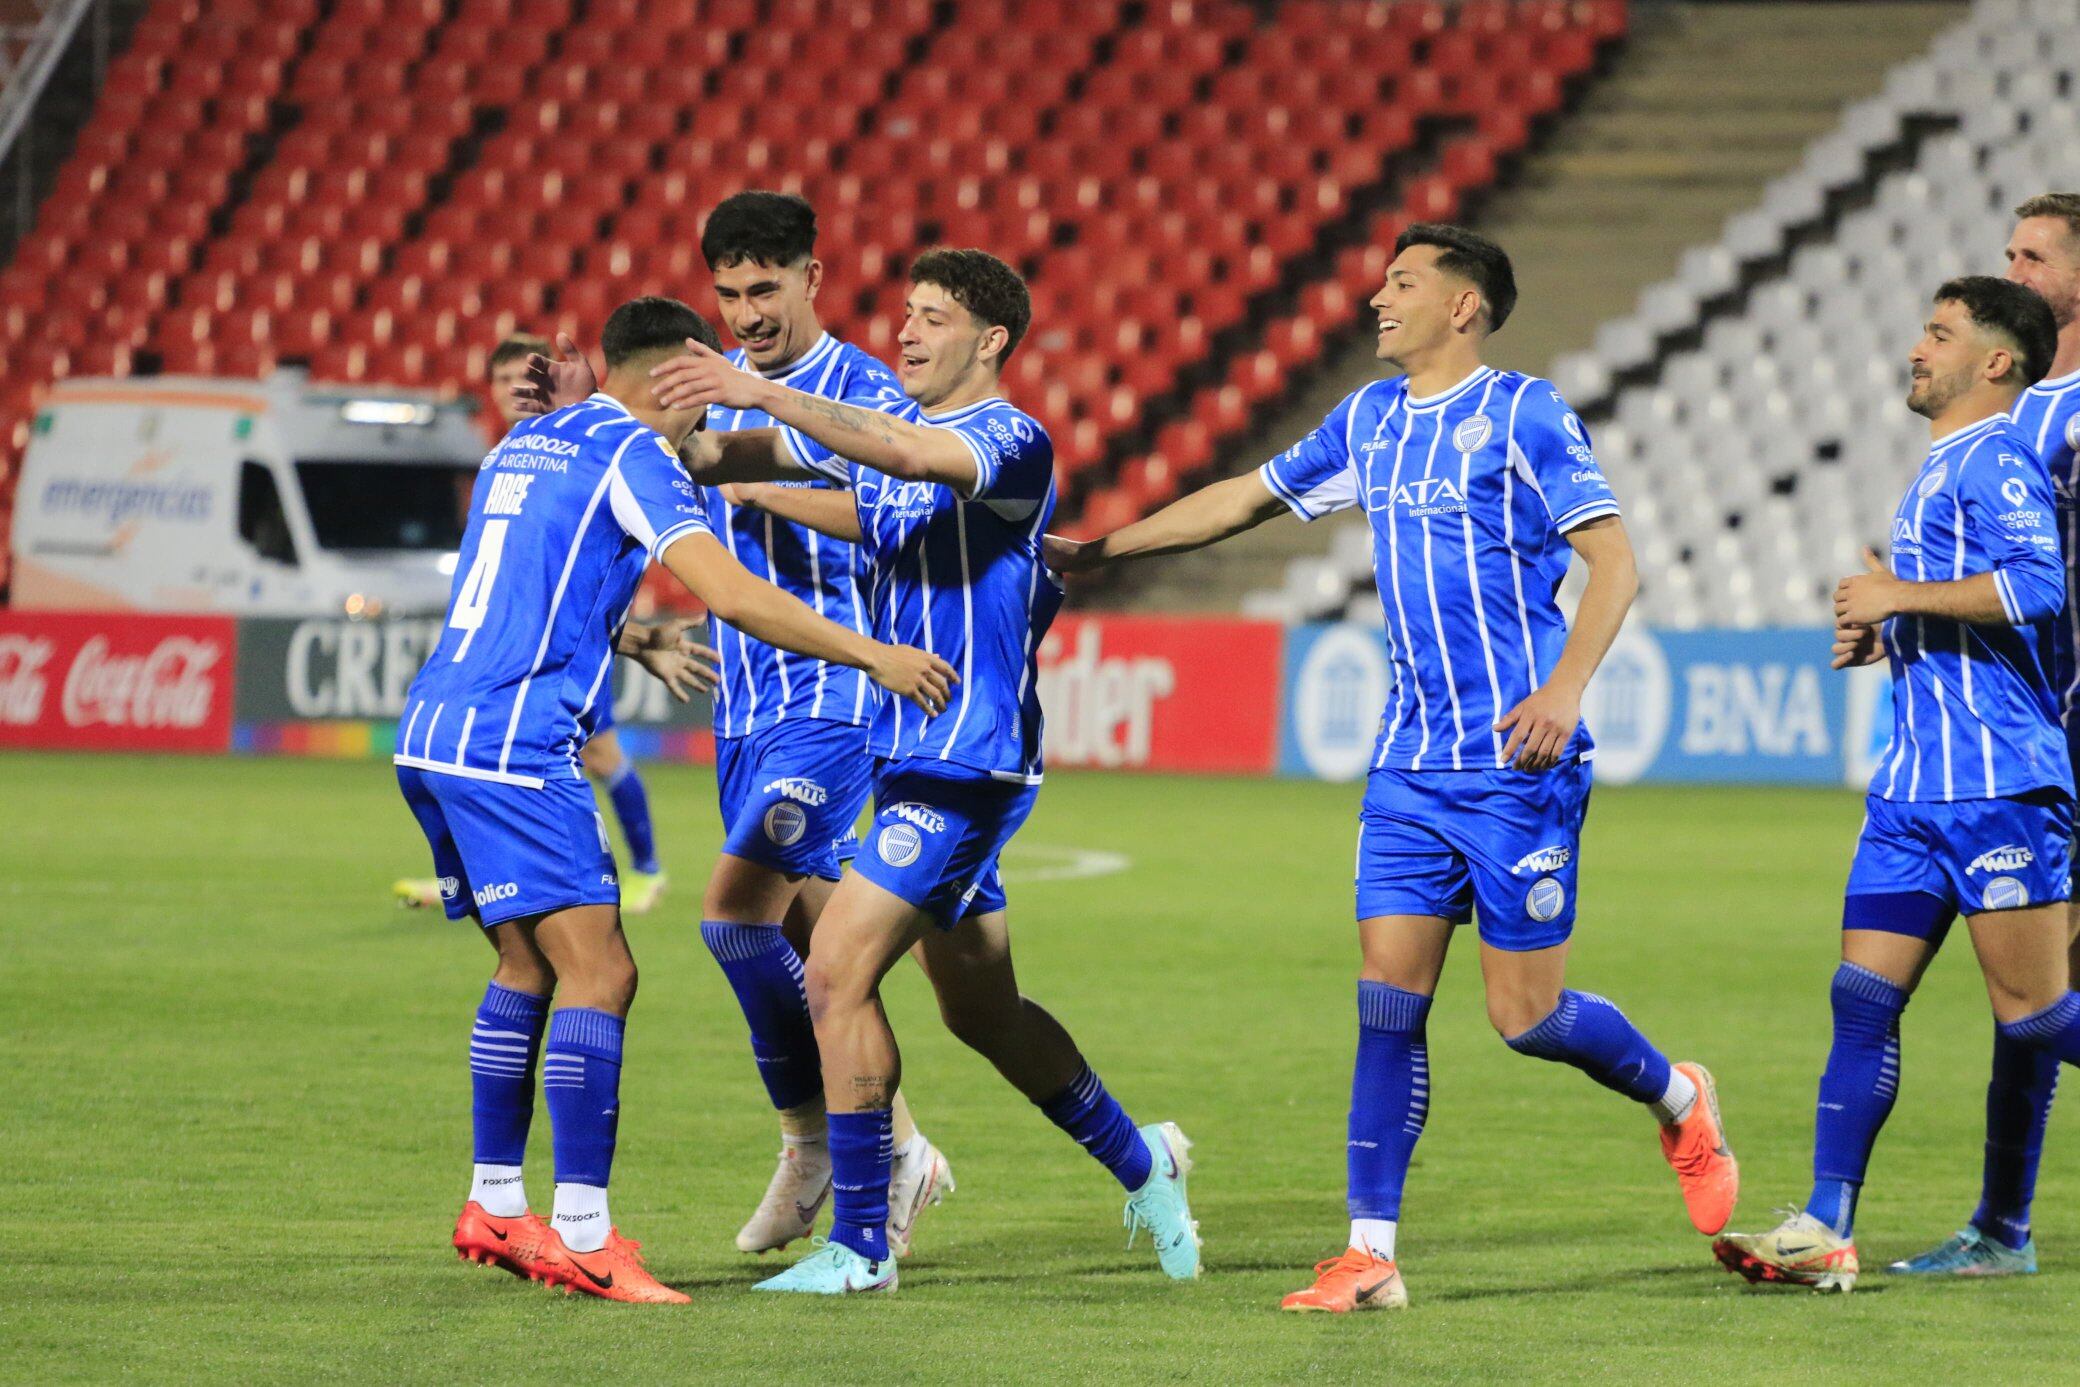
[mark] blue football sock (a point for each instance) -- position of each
(502, 1049)
(2055, 1029)
(2018, 1104)
(1390, 1097)
(581, 1077)
(1857, 1090)
(632, 807)
(1101, 1126)
(766, 974)
(1591, 1034)
(863, 1148)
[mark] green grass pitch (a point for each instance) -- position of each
(236, 1130)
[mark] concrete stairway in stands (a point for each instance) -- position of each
(1707, 103)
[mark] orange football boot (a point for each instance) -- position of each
(1696, 1148)
(513, 1243)
(1355, 1281)
(615, 1272)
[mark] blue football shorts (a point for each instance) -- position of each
(1919, 865)
(1503, 845)
(792, 793)
(936, 836)
(504, 851)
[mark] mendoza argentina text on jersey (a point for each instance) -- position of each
(2048, 415)
(762, 685)
(567, 512)
(1974, 713)
(961, 576)
(1470, 493)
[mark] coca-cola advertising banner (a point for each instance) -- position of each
(116, 682)
(1162, 693)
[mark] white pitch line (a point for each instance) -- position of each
(1062, 864)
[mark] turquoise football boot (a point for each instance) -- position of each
(1968, 1252)
(1159, 1206)
(833, 1269)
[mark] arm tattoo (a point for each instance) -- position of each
(862, 421)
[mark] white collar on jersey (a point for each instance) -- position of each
(2055, 385)
(954, 416)
(1423, 402)
(601, 397)
(1959, 435)
(823, 346)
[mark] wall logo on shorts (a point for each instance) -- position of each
(1545, 899)
(923, 815)
(785, 823)
(2008, 857)
(899, 845)
(799, 788)
(1550, 859)
(2004, 893)
(1471, 433)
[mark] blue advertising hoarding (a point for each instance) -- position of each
(1680, 706)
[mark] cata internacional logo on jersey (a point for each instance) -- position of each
(1628, 705)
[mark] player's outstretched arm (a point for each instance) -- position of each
(1207, 516)
(2011, 595)
(826, 512)
(1541, 726)
(896, 447)
(665, 648)
(760, 609)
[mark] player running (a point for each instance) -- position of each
(567, 512)
(1478, 484)
(792, 766)
(1971, 807)
(951, 491)
(659, 649)
(2044, 254)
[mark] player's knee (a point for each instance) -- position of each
(1513, 1014)
(832, 985)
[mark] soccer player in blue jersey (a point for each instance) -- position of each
(951, 491)
(567, 512)
(792, 766)
(658, 648)
(2043, 253)
(1971, 807)
(1479, 485)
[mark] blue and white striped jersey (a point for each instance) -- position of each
(1469, 493)
(1974, 713)
(762, 685)
(2048, 415)
(567, 512)
(961, 576)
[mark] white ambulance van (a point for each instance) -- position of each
(251, 498)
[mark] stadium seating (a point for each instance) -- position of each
(1200, 191)
(1750, 410)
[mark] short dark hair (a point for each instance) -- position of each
(1472, 257)
(2012, 310)
(984, 285)
(767, 228)
(2064, 206)
(519, 346)
(653, 324)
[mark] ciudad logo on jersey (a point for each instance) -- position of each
(799, 788)
(1549, 859)
(2008, 857)
(500, 891)
(1472, 433)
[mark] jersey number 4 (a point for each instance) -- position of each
(473, 599)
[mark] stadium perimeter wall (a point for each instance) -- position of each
(1211, 694)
